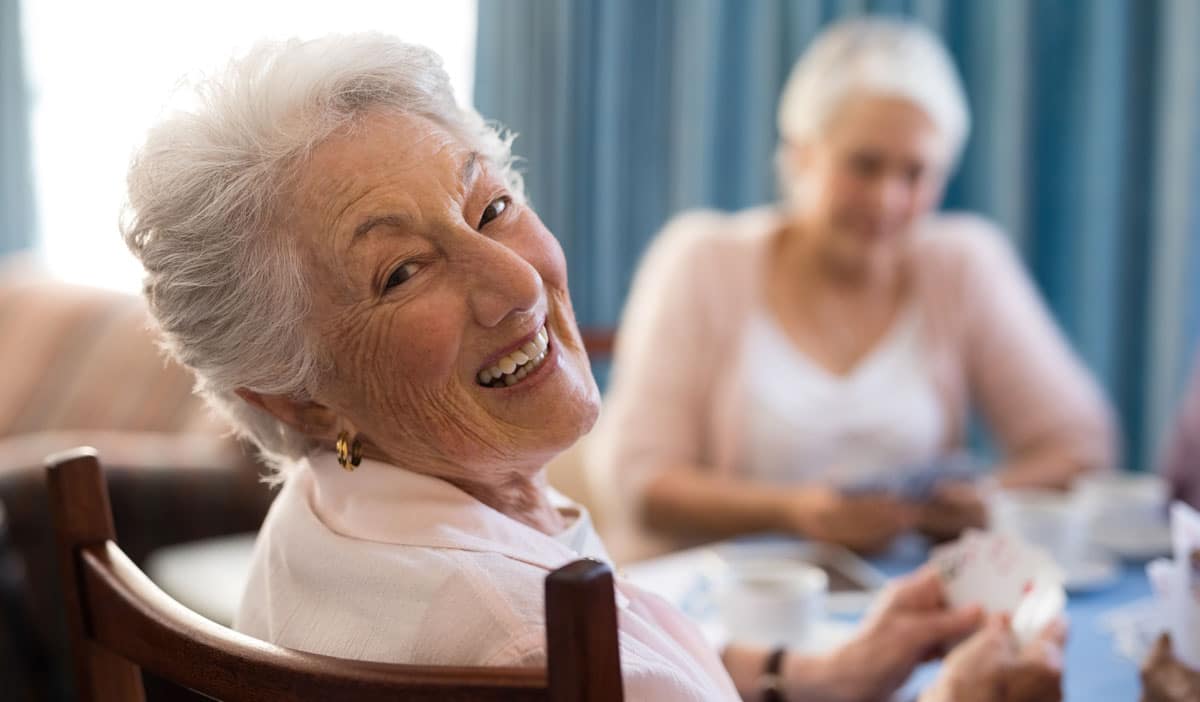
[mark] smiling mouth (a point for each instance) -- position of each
(512, 368)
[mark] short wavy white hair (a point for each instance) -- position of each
(223, 277)
(873, 56)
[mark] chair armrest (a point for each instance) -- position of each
(176, 492)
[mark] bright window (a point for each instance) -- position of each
(101, 73)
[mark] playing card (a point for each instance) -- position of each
(1183, 595)
(1185, 538)
(1002, 575)
(958, 565)
(1160, 572)
(1037, 609)
(917, 482)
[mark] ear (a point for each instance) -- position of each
(305, 416)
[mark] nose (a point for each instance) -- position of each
(500, 283)
(891, 195)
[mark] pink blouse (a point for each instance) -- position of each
(383, 564)
(1181, 464)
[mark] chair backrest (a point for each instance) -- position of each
(121, 622)
(598, 342)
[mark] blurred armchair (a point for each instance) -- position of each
(80, 366)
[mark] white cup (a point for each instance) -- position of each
(1045, 518)
(772, 601)
(1131, 501)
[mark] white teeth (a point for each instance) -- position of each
(517, 364)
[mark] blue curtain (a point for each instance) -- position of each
(1085, 147)
(16, 189)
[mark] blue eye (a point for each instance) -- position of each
(494, 210)
(401, 275)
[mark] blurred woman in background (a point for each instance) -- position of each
(788, 368)
(1181, 464)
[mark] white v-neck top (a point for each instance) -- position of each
(805, 424)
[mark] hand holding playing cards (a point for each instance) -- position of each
(992, 667)
(910, 625)
(865, 523)
(953, 508)
(1165, 679)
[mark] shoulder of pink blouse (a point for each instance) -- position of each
(1010, 358)
(681, 319)
(1181, 460)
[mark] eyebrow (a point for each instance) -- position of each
(392, 220)
(470, 170)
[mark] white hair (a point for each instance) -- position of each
(223, 278)
(873, 56)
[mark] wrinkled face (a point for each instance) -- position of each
(879, 167)
(441, 304)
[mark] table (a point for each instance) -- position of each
(1094, 670)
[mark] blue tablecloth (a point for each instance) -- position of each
(1094, 671)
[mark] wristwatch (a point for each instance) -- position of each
(771, 681)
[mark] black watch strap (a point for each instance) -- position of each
(771, 681)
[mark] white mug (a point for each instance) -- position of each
(1134, 501)
(772, 601)
(1049, 519)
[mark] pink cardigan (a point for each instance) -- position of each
(1181, 464)
(991, 344)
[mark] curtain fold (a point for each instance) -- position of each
(16, 177)
(1085, 147)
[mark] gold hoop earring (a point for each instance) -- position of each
(349, 452)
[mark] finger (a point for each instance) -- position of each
(1046, 654)
(948, 628)
(920, 590)
(955, 491)
(903, 515)
(884, 506)
(1047, 648)
(1030, 681)
(887, 520)
(1055, 632)
(986, 650)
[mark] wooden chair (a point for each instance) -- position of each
(122, 623)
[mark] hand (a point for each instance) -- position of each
(989, 667)
(1165, 679)
(953, 508)
(867, 523)
(909, 625)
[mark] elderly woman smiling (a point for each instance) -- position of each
(345, 259)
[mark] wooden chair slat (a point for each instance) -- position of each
(582, 642)
(122, 622)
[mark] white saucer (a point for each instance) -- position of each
(1141, 543)
(1092, 574)
(826, 635)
